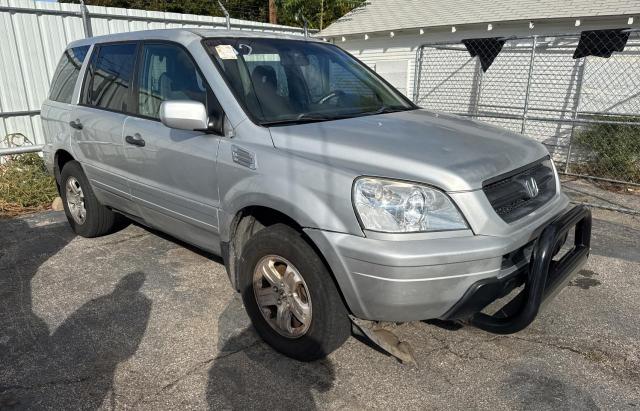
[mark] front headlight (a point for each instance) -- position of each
(401, 207)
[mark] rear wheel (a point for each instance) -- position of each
(87, 217)
(290, 296)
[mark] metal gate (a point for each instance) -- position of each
(585, 110)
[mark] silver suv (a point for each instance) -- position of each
(328, 193)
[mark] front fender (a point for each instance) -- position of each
(312, 194)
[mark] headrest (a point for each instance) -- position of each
(264, 75)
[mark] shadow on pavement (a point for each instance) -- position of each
(168, 237)
(248, 374)
(72, 367)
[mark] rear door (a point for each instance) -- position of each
(57, 108)
(98, 121)
(172, 173)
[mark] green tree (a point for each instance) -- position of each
(244, 9)
(319, 13)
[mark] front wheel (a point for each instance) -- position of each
(290, 295)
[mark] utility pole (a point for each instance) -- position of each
(273, 15)
(321, 13)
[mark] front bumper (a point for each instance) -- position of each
(407, 280)
(543, 277)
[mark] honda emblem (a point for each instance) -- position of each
(531, 187)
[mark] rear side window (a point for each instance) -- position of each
(64, 79)
(109, 77)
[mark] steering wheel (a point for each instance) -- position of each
(331, 95)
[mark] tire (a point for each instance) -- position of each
(329, 325)
(99, 220)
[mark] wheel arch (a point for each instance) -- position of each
(60, 158)
(246, 222)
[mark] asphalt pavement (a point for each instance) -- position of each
(138, 320)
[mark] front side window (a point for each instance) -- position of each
(167, 73)
(291, 81)
(110, 75)
(66, 75)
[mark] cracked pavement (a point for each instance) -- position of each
(139, 320)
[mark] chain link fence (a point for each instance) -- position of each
(579, 98)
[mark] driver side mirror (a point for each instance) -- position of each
(189, 115)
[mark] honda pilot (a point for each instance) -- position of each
(330, 196)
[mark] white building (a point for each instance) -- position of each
(536, 85)
(385, 34)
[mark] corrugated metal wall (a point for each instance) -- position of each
(33, 36)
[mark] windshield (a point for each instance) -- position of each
(292, 81)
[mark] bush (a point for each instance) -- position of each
(25, 185)
(610, 150)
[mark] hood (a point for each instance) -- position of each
(450, 152)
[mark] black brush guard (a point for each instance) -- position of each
(543, 278)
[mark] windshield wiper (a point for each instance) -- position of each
(387, 109)
(300, 119)
(315, 117)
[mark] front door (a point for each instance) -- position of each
(172, 173)
(97, 122)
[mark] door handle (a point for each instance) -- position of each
(135, 140)
(76, 124)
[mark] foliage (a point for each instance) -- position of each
(611, 150)
(252, 9)
(318, 12)
(25, 184)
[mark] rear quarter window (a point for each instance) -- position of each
(66, 75)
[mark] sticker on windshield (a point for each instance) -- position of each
(226, 52)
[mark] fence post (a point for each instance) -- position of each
(226, 15)
(86, 19)
(417, 74)
(576, 108)
(526, 96)
(476, 89)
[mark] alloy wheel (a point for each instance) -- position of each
(282, 296)
(75, 200)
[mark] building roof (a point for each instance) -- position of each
(386, 15)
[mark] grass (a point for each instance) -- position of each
(25, 185)
(612, 150)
